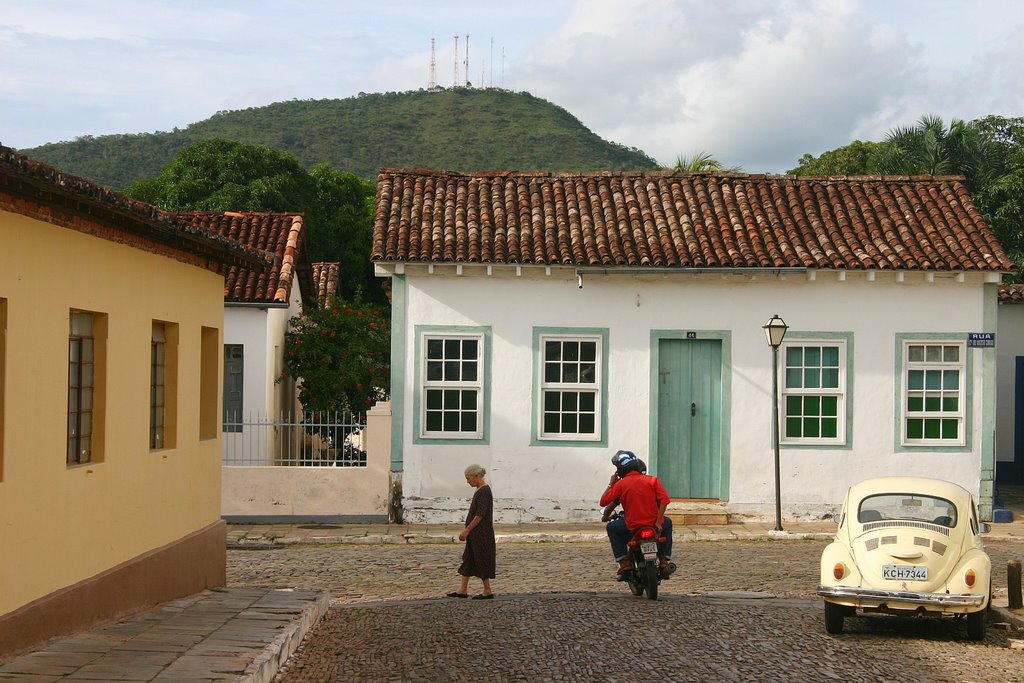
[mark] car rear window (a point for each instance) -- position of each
(907, 506)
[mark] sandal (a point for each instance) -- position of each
(456, 594)
(489, 596)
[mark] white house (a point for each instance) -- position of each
(543, 321)
(257, 308)
(1010, 401)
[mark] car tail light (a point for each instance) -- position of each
(969, 577)
(646, 533)
(839, 571)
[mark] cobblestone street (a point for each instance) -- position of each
(736, 610)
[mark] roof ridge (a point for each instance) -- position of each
(665, 173)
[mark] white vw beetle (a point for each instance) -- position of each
(909, 546)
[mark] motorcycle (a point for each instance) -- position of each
(645, 574)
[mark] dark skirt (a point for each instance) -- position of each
(478, 558)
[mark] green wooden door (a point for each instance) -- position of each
(689, 388)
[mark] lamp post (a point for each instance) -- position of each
(775, 332)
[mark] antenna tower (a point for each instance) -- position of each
(467, 60)
(491, 64)
(433, 67)
(455, 76)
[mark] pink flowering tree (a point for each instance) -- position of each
(340, 356)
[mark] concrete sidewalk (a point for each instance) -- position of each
(242, 634)
(232, 634)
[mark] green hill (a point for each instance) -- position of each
(458, 129)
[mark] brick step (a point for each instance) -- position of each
(698, 512)
(698, 517)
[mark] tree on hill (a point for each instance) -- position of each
(1001, 198)
(988, 152)
(458, 129)
(851, 159)
(702, 162)
(929, 147)
(220, 175)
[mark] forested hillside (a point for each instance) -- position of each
(459, 129)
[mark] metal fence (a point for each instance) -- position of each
(310, 439)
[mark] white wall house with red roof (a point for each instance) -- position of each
(257, 308)
(543, 321)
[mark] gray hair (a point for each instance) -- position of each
(475, 471)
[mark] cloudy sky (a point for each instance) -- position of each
(756, 83)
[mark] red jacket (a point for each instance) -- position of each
(641, 498)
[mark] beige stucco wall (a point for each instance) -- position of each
(62, 524)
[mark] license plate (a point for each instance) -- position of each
(904, 572)
(649, 549)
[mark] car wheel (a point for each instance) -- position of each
(834, 615)
(976, 625)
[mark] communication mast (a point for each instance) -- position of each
(432, 85)
(467, 61)
(455, 76)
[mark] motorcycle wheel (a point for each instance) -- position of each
(651, 579)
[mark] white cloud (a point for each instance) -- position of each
(756, 83)
(753, 83)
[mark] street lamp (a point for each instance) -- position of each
(775, 332)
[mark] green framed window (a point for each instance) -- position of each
(453, 386)
(570, 388)
(814, 392)
(934, 393)
(570, 371)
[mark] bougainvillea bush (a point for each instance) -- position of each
(340, 356)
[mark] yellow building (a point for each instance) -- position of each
(111, 318)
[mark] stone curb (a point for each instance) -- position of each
(267, 663)
(682, 535)
(575, 537)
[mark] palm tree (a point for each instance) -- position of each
(702, 162)
(929, 147)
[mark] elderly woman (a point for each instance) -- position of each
(478, 556)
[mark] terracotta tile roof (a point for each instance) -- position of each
(279, 235)
(1011, 294)
(45, 193)
(680, 220)
(325, 280)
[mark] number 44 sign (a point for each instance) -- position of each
(981, 340)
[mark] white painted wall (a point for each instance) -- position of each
(563, 483)
(261, 331)
(321, 494)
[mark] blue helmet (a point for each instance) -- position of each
(625, 462)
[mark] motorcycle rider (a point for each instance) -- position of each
(644, 501)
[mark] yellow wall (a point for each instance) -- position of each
(61, 524)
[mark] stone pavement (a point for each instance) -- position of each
(245, 634)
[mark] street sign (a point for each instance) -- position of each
(981, 340)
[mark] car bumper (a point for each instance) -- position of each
(873, 597)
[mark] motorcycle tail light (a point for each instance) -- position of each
(969, 577)
(632, 544)
(839, 571)
(646, 533)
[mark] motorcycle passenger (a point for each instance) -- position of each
(644, 501)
